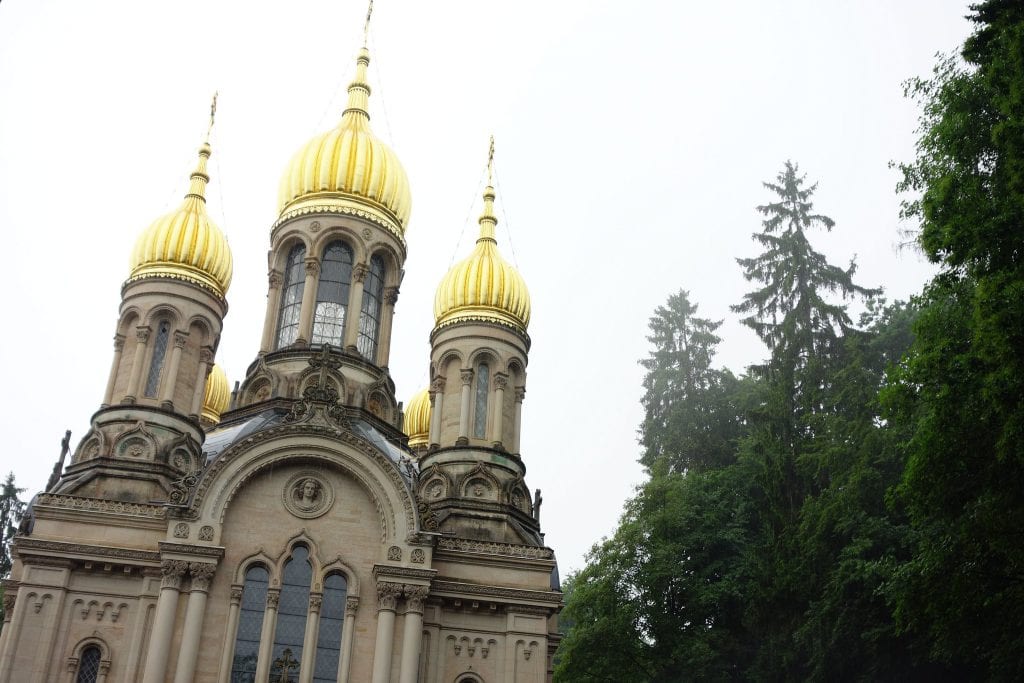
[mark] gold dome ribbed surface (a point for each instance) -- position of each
(217, 396)
(185, 244)
(348, 167)
(483, 286)
(417, 419)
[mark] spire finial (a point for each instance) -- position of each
(213, 113)
(488, 221)
(366, 25)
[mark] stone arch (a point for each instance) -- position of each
(279, 252)
(338, 566)
(130, 318)
(95, 640)
(482, 354)
(301, 538)
(310, 376)
(204, 332)
(392, 263)
(137, 443)
(258, 558)
(469, 484)
(435, 484)
(377, 474)
(381, 405)
(164, 310)
(339, 232)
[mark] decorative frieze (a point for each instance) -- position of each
(492, 548)
(100, 505)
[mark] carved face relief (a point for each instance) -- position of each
(307, 495)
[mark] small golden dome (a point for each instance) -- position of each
(348, 167)
(185, 244)
(483, 286)
(217, 396)
(417, 420)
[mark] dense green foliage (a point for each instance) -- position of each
(852, 508)
(11, 510)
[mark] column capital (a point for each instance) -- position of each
(391, 295)
(236, 594)
(359, 272)
(387, 595)
(180, 339)
(437, 384)
(9, 599)
(312, 265)
(316, 600)
(275, 279)
(466, 375)
(201, 573)
(415, 594)
(118, 342)
(352, 604)
(206, 355)
(273, 596)
(172, 572)
(142, 333)
(500, 380)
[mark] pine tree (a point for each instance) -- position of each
(11, 510)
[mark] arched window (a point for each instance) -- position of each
(89, 665)
(483, 380)
(332, 294)
(291, 296)
(332, 619)
(163, 333)
(292, 610)
(250, 624)
(369, 317)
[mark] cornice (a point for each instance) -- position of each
(384, 572)
(33, 546)
(464, 545)
(99, 505)
(496, 593)
(168, 548)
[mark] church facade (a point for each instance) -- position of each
(302, 527)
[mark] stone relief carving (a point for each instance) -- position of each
(99, 505)
(493, 548)
(206, 533)
(273, 597)
(308, 495)
(181, 489)
(388, 594)
(181, 530)
(172, 572)
(418, 556)
(414, 597)
(202, 573)
(395, 553)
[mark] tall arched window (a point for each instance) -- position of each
(483, 381)
(163, 333)
(332, 619)
(291, 296)
(291, 614)
(250, 624)
(369, 317)
(89, 665)
(332, 294)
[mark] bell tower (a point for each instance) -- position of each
(147, 431)
(472, 474)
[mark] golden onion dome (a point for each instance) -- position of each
(217, 396)
(348, 168)
(185, 244)
(483, 286)
(417, 420)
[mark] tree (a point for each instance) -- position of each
(691, 417)
(959, 394)
(11, 509)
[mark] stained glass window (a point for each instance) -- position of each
(250, 624)
(89, 665)
(163, 332)
(332, 294)
(369, 317)
(291, 296)
(332, 619)
(480, 415)
(292, 608)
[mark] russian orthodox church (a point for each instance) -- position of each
(301, 527)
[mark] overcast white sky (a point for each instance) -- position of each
(632, 140)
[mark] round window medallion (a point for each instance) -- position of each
(307, 495)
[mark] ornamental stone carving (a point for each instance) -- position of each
(172, 572)
(236, 595)
(202, 573)
(352, 604)
(418, 556)
(414, 597)
(520, 394)
(118, 342)
(466, 376)
(391, 295)
(395, 553)
(181, 530)
(180, 339)
(142, 334)
(273, 597)
(307, 495)
(9, 600)
(312, 266)
(437, 384)
(359, 272)
(275, 279)
(315, 602)
(388, 594)
(206, 533)
(500, 380)
(314, 226)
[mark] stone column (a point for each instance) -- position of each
(350, 336)
(351, 607)
(228, 652)
(500, 382)
(517, 424)
(163, 622)
(387, 315)
(308, 302)
(273, 311)
(205, 362)
(171, 374)
(309, 639)
(387, 602)
(202, 574)
(437, 394)
(412, 634)
(141, 339)
(467, 390)
(8, 635)
(108, 395)
(267, 635)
